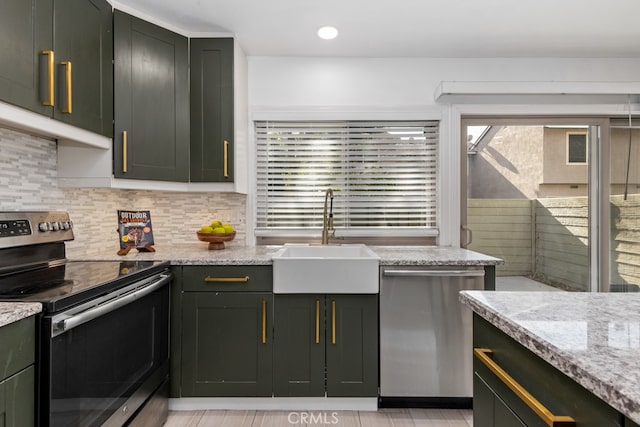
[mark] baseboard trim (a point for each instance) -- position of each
(275, 403)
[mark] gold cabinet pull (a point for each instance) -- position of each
(333, 322)
(68, 108)
(226, 159)
(264, 321)
(483, 354)
(124, 151)
(210, 279)
(317, 321)
(46, 90)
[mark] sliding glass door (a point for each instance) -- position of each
(532, 196)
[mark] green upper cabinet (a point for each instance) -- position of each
(57, 60)
(151, 99)
(212, 110)
(26, 30)
(84, 71)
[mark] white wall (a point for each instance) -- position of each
(292, 85)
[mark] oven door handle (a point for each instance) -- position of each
(86, 316)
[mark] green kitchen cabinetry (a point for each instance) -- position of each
(629, 423)
(226, 331)
(212, 109)
(17, 373)
(498, 357)
(326, 344)
(57, 60)
(151, 98)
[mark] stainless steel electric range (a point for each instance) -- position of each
(102, 354)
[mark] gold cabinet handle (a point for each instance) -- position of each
(210, 279)
(551, 420)
(264, 321)
(124, 151)
(46, 90)
(333, 322)
(226, 159)
(68, 108)
(317, 321)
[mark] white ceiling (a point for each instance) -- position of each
(411, 28)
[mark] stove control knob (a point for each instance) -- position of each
(55, 226)
(64, 225)
(43, 226)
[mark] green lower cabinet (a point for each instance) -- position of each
(495, 404)
(17, 373)
(326, 345)
(629, 423)
(226, 344)
(16, 399)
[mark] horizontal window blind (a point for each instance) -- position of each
(383, 174)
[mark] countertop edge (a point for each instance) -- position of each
(11, 312)
(556, 358)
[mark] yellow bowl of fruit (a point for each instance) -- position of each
(216, 234)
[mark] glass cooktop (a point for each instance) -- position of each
(73, 282)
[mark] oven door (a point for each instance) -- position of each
(101, 361)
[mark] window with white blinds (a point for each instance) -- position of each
(383, 175)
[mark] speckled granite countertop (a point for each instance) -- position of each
(593, 338)
(13, 311)
(198, 254)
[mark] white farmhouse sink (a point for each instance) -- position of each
(325, 269)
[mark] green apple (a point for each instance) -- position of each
(206, 229)
(228, 228)
(219, 230)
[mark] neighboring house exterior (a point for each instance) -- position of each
(534, 162)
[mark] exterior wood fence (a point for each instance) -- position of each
(547, 239)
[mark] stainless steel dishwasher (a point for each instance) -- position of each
(426, 335)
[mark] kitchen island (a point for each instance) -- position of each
(591, 338)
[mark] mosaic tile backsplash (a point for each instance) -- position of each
(28, 181)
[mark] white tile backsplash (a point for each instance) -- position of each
(28, 181)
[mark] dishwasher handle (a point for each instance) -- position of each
(433, 273)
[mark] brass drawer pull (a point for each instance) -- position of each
(124, 151)
(68, 83)
(317, 321)
(545, 415)
(226, 159)
(333, 322)
(210, 279)
(264, 321)
(47, 90)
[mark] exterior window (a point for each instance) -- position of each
(577, 148)
(383, 176)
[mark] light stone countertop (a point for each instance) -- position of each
(593, 338)
(198, 254)
(13, 311)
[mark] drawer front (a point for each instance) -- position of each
(18, 346)
(558, 393)
(250, 278)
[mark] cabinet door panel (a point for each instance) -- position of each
(212, 119)
(299, 345)
(26, 29)
(226, 344)
(19, 395)
(83, 37)
(151, 101)
(352, 358)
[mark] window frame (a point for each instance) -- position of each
(568, 148)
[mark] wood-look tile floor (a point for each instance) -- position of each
(382, 418)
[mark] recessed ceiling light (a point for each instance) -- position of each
(328, 33)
